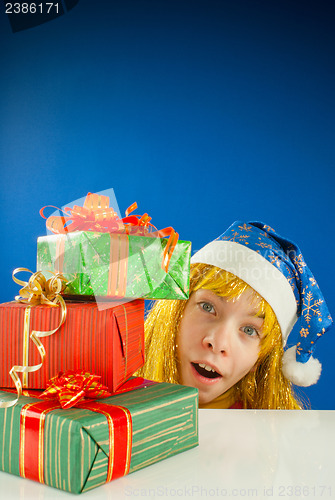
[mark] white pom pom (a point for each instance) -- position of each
(303, 374)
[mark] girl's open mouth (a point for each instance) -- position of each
(205, 370)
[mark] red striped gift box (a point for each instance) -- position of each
(107, 342)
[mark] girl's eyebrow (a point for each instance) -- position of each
(254, 314)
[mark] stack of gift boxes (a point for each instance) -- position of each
(71, 343)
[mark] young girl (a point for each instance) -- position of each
(247, 289)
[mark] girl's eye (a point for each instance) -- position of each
(206, 306)
(250, 331)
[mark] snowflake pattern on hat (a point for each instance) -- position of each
(314, 315)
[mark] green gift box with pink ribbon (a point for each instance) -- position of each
(101, 255)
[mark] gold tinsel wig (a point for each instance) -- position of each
(265, 387)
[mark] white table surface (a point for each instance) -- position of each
(242, 454)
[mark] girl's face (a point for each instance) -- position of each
(218, 342)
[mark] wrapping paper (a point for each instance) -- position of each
(79, 449)
(107, 342)
(116, 265)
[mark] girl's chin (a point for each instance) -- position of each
(205, 398)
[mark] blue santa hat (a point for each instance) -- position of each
(275, 268)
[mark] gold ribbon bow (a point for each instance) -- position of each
(38, 290)
(74, 386)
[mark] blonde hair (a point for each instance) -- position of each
(264, 387)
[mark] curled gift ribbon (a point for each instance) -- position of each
(73, 386)
(97, 215)
(38, 290)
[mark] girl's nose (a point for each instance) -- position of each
(217, 340)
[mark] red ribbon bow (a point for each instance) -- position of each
(97, 215)
(73, 386)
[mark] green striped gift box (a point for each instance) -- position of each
(114, 265)
(75, 450)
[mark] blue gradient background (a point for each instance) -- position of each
(204, 112)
